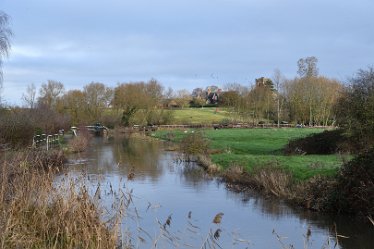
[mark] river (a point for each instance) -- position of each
(172, 204)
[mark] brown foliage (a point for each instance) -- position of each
(35, 214)
(18, 126)
(274, 180)
(194, 144)
(315, 193)
(80, 142)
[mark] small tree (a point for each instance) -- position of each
(133, 97)
(278, 80)
(355, 109)
(30, 96)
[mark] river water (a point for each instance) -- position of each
(170, 204)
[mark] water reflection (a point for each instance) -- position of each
(161, 186)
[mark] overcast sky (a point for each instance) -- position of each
(183, 44)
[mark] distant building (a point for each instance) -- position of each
(212, 94)
(265, 82)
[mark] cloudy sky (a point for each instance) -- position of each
(183, 44)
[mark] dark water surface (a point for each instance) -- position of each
(161, 187)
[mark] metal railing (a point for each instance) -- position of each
(48, 141)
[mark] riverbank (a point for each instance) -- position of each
(255, 158)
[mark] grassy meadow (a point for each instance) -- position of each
(251, 148)
(206, 115)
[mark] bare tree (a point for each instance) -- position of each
(30, 96)
(49, 93)
(307, 67)
(5, 34)
(278, 79)
(183, 98)
(240, 89)
(169, 93)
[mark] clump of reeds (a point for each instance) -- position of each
(207, 164)
(235, 174)
(273, 179)
(36, 214)
(80, 142)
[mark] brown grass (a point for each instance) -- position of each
(269, 179)
(35, 214)
(273, 180)
(80, 142)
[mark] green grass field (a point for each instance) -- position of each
(258, 147)
(206, 115)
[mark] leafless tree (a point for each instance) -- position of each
(30, 96)
(49, 93)
(278, 80)
(5, 34)
(307, 67)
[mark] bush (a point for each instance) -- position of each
(327, 142)
(315, 193)
(18, 126)
(355, 108)
(355, 188)
(110, 120)
(194, 144)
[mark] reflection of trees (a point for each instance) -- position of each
(193, 176)
(139, 156)
(360, 233)
(149, 162)
(122, 156)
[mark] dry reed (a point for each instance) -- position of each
(35, 214)
(78, 144)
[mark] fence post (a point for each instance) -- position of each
(47, 142)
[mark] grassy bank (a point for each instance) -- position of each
(259, 159)
(252, 148)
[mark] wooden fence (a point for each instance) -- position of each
(238, 126)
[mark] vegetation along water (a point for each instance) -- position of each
(286, 163)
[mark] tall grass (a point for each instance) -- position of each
(35, 214)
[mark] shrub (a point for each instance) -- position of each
(194, 144)
(315, 193)
(110, 120)
(327, 142)
(355, 108)
(355, 187)
(18, 126)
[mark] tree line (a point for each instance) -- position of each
(307, 99)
